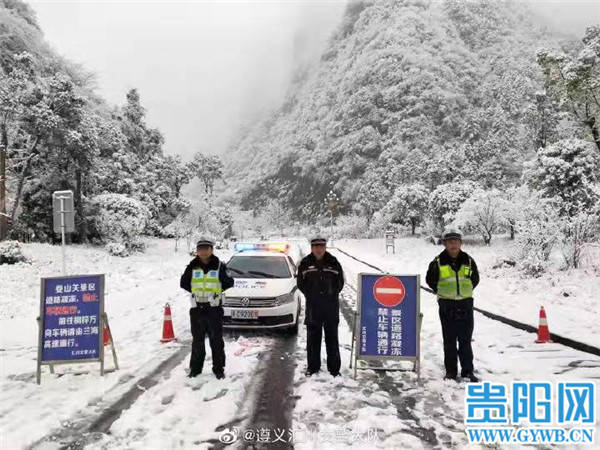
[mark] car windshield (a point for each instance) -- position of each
(258, 267)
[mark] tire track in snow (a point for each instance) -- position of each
(268, 401)
(403, 403)
(274, 403)
(83, 430)
(77, 433)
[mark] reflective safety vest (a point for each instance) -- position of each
(454, 285)
(205, 284)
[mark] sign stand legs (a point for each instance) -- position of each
(353, 337)
(112, 342)
(418, 360)
(63, 220)
(62, 231)
(38, 372)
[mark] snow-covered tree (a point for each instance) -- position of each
(483, 212)
(176, 172)
(408, 205)
(177, 229)
(14, 88)
(207, 222)
(187, 224)
(517, 197)
(56, 133)
(260, 225)
(544, 119)
(379, 224)
(577, 232)
(353, 227)
(208, 169)
(446, 200)
(538, 232)
(224, 217)
(574, 81)
(275, 214)
(118, 218)
(11, 253)
(143, 141)
(373, 193)
(54, 108)
(565, 171)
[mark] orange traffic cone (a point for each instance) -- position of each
(543, 330)
(106, 336)
(168, 333)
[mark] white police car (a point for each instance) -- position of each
(264, 294)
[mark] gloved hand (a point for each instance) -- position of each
(214, 300)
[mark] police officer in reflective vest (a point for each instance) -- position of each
(453, 275)
(206, 279)
(320, 279)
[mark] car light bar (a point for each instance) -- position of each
(280, 247)
(241, 246)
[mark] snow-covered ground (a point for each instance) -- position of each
(571, 298)
(378, 410)
(184, 413)
(502, 354)
(137, 289)
(342, 412)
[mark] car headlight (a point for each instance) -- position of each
(285, 298)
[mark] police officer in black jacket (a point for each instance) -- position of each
(206, 279)
(320, 279)
(453, 275)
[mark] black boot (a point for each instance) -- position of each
(450, 376)
(193, 373)
(220, 374)
(471, 376)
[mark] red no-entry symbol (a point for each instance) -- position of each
(389, 291)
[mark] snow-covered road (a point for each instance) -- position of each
(378, 410)
(502, 353)
(76, 396)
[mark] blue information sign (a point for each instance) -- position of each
(388, 309)
(71, 319)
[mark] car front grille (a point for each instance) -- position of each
(253, 302)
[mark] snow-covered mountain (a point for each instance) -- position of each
(407, 91)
